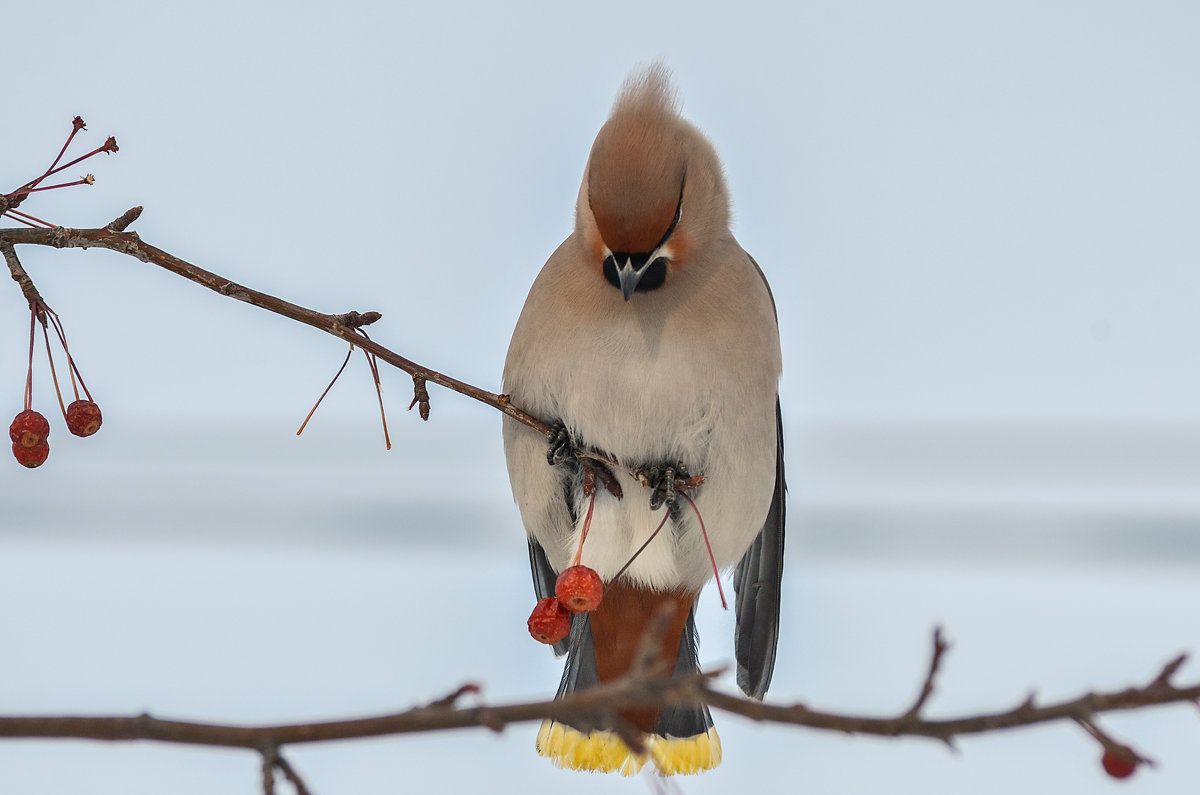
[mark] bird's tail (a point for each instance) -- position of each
(682, 740)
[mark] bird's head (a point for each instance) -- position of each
(653, 197)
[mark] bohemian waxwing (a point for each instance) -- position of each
(651, 335)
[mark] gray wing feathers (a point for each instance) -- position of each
(686, 720)
(544, 578)
(756, 582)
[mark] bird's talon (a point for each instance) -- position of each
(665, 483)
(560, 448)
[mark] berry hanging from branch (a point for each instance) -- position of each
(29, 429)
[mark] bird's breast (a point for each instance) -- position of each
(640, 398)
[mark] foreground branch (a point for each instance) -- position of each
(599, 704)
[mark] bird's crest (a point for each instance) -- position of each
(638, 164)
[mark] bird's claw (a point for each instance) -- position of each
(561, 449)
(665, 482)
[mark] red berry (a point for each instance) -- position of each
(1119, 763)
(579, 589)
(549, 622)
(31, 456)
(28, 429)
(83, 418)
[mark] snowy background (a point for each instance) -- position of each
(979, 224)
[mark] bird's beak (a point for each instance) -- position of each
(628, 277)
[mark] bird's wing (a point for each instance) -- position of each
(756, 581)
(544, 577)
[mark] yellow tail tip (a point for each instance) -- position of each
(605, 752)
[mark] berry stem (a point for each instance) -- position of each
(587, 523)
(29, 373)
(378, 393)
(711, 558)
(88, 180)
(77, 124)
(108, 146)
(646, 543)
(19, 220)
(17, 215)
(73, 369)
(54, 375)
(336, 375)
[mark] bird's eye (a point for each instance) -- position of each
(655, 275)
(636, 269)
(610, 271)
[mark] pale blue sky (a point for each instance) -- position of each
(968, 212)
(965, 210)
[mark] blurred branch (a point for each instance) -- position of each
(586, 707)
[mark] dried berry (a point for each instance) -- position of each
(1119, 763)
(549, 622)
(83, 418)
(29, 429)
(580, 589)
(31, 456)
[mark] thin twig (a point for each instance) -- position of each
(939, 649)
(269, 755)
(291, 775)
(451, 699)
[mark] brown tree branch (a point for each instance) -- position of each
(584, 707)
(940, 647)
(114, 238)
(1027, 713)
(17, 270)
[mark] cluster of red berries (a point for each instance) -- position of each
(30, 430)
(578, 590)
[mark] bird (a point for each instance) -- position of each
(650, 337)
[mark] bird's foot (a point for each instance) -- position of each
(561, 449)
(666, 482)
(595, 469)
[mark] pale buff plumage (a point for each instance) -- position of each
(686, 372)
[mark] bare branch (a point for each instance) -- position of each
(344, 325)
(588, 705)
(268, 771)
(1169, 670)
(32, 296)
(939, 649)
(439, 715)
(421, 396)
(121, 223)
(291, 775)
